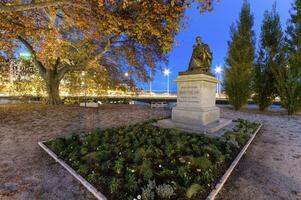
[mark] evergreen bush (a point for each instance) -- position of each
(241, 52)
(269, 58)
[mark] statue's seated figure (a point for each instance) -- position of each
(201, 59)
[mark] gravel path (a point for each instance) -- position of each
(26, 171)
(271, 168)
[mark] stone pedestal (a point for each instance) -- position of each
(196, 100)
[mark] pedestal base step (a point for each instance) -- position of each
(212, 129)
(195, 115)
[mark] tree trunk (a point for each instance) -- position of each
(52, 75)
(52, 85)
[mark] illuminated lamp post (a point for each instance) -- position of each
(218, 70)
(83, 74)
(167, 73)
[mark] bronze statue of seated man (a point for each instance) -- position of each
(201, 59)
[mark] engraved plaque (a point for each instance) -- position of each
(188, 94)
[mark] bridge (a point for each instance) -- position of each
(145, 98)
(148, 98)
(117, 98)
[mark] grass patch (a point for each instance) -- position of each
(142, 161)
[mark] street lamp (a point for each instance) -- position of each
(218, 70)
(85, 87)
(167, 73)
(150, 83)
(126, 81)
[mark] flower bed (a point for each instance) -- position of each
(146, 162)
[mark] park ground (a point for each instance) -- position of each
(271, 168)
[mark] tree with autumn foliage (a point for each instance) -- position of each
(66, 35)
(4, 75)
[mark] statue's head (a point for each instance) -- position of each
(198, 40)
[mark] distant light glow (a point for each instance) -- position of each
(126, 74)
(25, 55)
(166, 72)
(218, 69)
(83, 73)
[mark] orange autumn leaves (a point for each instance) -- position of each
(66, 30)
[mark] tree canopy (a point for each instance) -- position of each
(288, 76)
(100, 34)
(240, 58)
(270, 56)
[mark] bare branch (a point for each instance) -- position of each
(100, 54)
(120, 41)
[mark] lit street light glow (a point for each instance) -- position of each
(25, 55)
(218, 69)
(167, 72)
(126, 74)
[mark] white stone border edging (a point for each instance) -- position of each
(92, 189)
(100, 196)
(227, 174)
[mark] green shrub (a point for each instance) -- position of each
(131, 182)
(92, 140)
(114, 185)
(83, 169)
(164, 191)
(92, 178)
(202, 163)
(208, 176)
(123, 161)
(84, 150)
(184, 173)
(119, 165)
(148, 191)
(145, 169)
(58, 145)
(140, 154)
(194, 190)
